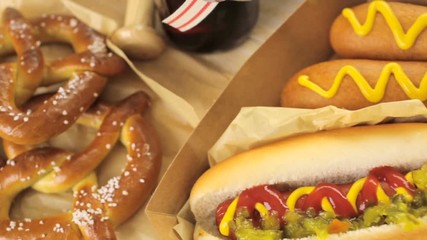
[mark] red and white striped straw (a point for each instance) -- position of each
(191, 13)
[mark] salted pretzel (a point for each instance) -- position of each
(86, 70)
(81, 164)
(96, 210)
(90, 50)
(18, 35)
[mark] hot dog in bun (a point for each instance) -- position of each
(352, 183)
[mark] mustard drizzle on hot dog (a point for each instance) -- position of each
(380, 174)
(376, 93)
(403, 40)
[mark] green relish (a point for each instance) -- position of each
(300, 224)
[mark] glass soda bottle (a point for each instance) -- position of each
(225, 27)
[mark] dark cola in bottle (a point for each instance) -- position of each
(225, 27)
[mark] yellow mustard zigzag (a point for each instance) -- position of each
(371, 94)
(403, 40)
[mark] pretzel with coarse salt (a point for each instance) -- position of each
(18, 35)
(84, 162)
(51, 117)
(96, 210)
(20, 80)
(91, 52)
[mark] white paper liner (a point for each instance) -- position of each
(255, 126)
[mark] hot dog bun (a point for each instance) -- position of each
(379, 42)
(335, 156)
(350, 75)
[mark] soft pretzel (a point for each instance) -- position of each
(27, 121)
(23, 171)
(85, 70)
(91, 51)
(81, 164)
(56, 227)
(53, 116)
(19, 36)
(96, 210)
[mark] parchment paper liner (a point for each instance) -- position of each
(254, 126)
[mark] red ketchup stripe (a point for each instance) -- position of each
(338, 200)
(263, 194)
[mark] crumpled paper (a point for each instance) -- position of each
(255, 126)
